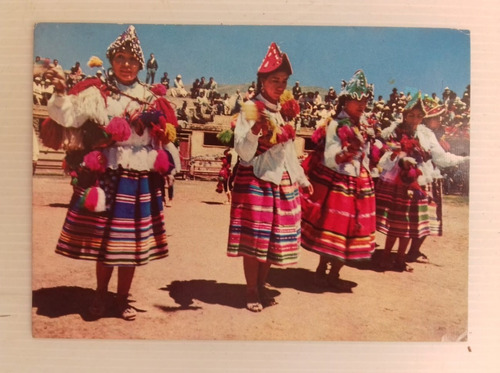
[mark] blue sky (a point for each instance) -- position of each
(407, 58)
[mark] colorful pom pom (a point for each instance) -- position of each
(159, 90)
(375, 153)
(286, 96)
(163, 105)
(319, 134)
(290, 109)
(94, 61)
(345, 134)
(118, 129)
(289, 130)
(225, 137)
(162, 164)
(95, 161)
(249, 108)
(170, 132)
(94, 199)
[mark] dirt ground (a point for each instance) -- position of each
(197, 293)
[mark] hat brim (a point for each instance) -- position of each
(435, 112)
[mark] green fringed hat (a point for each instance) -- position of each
(357, 87)
(415, 102)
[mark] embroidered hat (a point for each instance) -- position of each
(415, 102)
(432, 108)
(357, 87)
(127, 40)
(274, 60)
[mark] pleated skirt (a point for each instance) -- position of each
(131, 232)
(265, 219)
(338, 219)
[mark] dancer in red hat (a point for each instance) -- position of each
(265, 209)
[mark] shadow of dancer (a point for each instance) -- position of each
(301, 279)
(184, 293)
(65, 300)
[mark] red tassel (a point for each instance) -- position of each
(87, 83)
(164, 106)
(51, 134)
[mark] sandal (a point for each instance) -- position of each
(253, 302)
(125, 310)
(254, 306)
(99, 305)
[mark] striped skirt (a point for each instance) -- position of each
(400, 215)
(338, 220)
(130, 232)
(265, 219)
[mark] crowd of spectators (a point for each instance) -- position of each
(314, 108)
(454, 122)
(43, 87)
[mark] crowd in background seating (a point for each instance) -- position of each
(314, 108)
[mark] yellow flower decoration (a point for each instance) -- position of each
(250, 110)
(94, 62)
(286, 96)
(170, 132)
(275, 129)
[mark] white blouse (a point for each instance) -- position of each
(333, 146)
(271, 164)
(429, 143)
(137, 152)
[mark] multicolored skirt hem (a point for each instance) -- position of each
(338, 219)
(131, 232)
(409, 215)
(265, 219)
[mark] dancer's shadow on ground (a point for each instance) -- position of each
(61, 205)
(375, 263)
(213, 202)
(184, 293)
(66, 300)
(369, 265)
(304, 280)
(301, 279)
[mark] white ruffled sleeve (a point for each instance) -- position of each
(75, 110)
(332, 145)
(439, 156)
(245, 142)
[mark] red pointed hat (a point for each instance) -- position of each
(274, 60)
